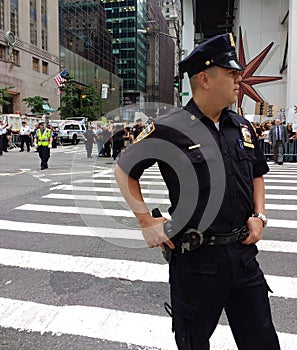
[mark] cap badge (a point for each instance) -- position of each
(232, 43)
(193, 117)
(207, 63)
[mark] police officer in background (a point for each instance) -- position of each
(43, 141)
(213, 167)
(25, 133)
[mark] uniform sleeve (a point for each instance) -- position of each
(140, 155)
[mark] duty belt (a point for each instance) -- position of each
(192, 239)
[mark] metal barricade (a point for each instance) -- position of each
(16, 140)
(290, 153)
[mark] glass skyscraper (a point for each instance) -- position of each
(123, 18)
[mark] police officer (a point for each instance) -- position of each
(213, 167)
(25, 133)
(43, 140)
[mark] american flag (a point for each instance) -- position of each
(60, 78)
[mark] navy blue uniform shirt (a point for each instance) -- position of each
(205, 169)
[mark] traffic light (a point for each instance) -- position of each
(176, 82)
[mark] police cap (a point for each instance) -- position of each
(41, 123)
(217, 51)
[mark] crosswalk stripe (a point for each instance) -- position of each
(99, 323)
(281, 188)
(85, 197)
(282, 223)
(281, 206)
(109, 181)
(150, 191)
(78, 210)
(102, 189)
(280, 176)
(127, 213)
(282, 181)
(281, 196)
(144, 176)
(284, 287)
(112, 233)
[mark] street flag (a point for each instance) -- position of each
(60, 78)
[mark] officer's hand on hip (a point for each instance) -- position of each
(154, 235)
(255, 227)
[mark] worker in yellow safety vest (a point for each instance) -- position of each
(43, 141)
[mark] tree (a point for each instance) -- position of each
(35, 103)
(91, 103)
(78, 103)
(70, 101)
(3, 94)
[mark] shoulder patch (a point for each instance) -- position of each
(145, 133)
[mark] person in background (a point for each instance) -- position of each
(89, 139)
(25, 134)
(54, 136)
(99, 139)
(291, 144)
(278, 137)
(2, 135)
(117, 141)
(43, 141)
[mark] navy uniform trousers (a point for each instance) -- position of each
(44, 155)
(209, 279)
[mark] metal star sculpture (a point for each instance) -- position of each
(248, 79)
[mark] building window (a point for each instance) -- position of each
(33, 23)
(16, 57)
(44, 67)
(14, 20)
(35, 64)
(43, 25)
(2, 52)
(2, 23)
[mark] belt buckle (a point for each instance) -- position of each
(192, 239)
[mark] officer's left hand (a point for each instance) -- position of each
(255, 227)
(49, 146)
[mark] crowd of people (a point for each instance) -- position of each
(24, 138)
(111, 139)
(277, 147)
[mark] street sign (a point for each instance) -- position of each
(186, 93)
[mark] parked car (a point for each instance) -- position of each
(71, 132)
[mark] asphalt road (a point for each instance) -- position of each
(74, 273)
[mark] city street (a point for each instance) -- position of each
(75, 272)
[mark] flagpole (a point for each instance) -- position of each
(53, 75)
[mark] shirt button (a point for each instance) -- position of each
(199, 157)
(225, 152)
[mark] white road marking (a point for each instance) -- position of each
(281, 181)
(283, 207)
(128, 234)
(281, 196)
(284, 287)
(282, 223)
(110, 181)
(281, 188)
(102, 189)
(79, 210)
(86, 197)
(99, 323)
